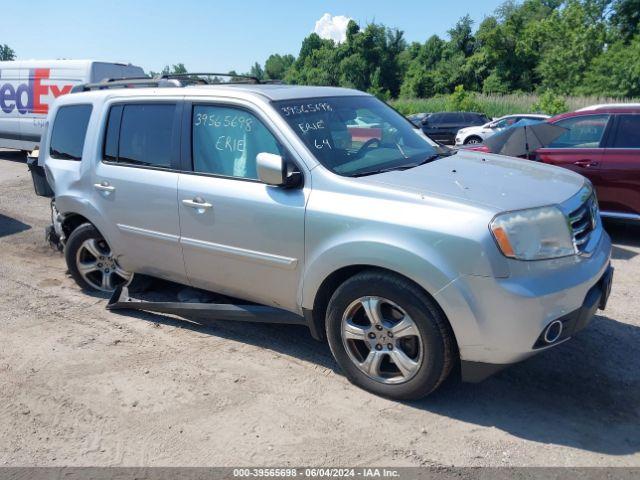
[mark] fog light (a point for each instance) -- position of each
(553, 331)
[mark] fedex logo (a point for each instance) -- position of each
(30, 97)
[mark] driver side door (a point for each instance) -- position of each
(239, 236)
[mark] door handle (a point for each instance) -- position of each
(104, 187)
(586, 163)
(197, 203)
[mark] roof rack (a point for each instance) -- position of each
(211, 78)
(134, 82)
(170, 80)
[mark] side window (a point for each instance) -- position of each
(628, 132)
(140, 134)
(505, 122)
(226, 141)
(112, 135)
(583, 132)
(472, 119)
(69, 132)
(450, 118)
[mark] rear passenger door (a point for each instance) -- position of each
(240, 237)
(135, 186)
(581, 147)
(619, 191)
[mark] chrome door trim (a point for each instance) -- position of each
(242, 253)
(143, 232)
(620, 215)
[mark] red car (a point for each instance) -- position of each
(603, 144)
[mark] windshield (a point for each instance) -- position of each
(356, 135)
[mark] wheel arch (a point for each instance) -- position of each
(320, 286)
(71, 221)
(76, 211)
(316, 316)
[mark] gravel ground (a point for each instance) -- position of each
(83, 386)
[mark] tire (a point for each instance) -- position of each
(431, 346)
(89, 261)
(472, 140)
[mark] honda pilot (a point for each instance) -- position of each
(408, 257)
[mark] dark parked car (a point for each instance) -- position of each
(417, 118)
(443, 127)
(603, 144)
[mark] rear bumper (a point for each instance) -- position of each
(596, 298)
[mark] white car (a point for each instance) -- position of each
(475, 135)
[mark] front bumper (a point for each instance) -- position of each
(499, 321)
(572, 322)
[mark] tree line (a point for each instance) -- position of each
(559, 47)
(569, 47)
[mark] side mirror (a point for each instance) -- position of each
(274, 170)
(493, 125)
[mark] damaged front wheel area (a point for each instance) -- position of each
(91, 263)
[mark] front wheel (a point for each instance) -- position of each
(91, 263)
(389, 336)
(473, 141)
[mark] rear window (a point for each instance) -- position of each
(69, 132)
(628, 132)
(140, 134)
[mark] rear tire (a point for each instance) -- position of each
(91, 263)
(406, 353)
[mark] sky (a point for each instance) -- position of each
(210, 36)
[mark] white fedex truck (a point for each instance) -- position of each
(27, 88)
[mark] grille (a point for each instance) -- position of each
(583, 222)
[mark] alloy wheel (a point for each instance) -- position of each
(99, 268)
(382, 340)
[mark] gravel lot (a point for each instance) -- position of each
(83, 386)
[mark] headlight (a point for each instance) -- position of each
(535, 234)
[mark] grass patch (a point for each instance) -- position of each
(497, 105)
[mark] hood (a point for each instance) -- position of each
(501, 183)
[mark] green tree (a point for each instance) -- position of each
(257, 71)
(276, 66)
(6, 53)
(626, 17)
(463, 101)
(572, 37)
(563, 46)
(550, 103)
(170, 70)
(616, 72)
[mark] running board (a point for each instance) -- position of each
(120, 300)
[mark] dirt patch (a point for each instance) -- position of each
(84, 386)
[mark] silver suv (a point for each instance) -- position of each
(409, 258)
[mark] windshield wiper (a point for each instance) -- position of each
(429, 159)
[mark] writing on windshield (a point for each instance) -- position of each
(354, 134)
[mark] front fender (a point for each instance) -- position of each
(374, 254)
(429, 274)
